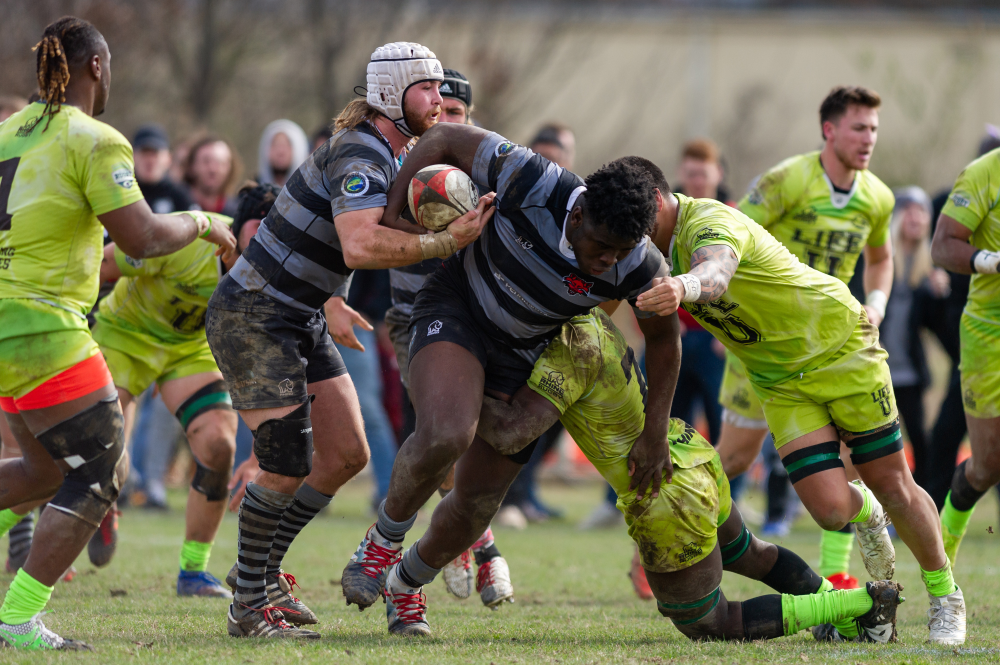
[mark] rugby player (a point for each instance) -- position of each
(558, 246)
(63, 174)
(967, 241)
(827, 209)
(814, 363)
(267, 331)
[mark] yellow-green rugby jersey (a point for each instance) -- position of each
(974, 203)
(591, 376)
(165, 297)
(54, 182)
(827, 230)
(778, 316)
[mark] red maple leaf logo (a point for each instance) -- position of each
(576, 285)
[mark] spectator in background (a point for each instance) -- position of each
(283, 147)
(151, 148)
(701, 171)
(210, 172)
(916, 284)
(321, 136)
(556, 143)
(9, 105)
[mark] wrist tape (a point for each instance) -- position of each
(203, 222)
(442, 245)
(876, 300)
(984, 261)
(692, 287)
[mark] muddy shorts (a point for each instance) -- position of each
(268, 353)
(980, 367)
(742, 408)
(397, 324)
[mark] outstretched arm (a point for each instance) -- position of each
(509, 427)
(712, 267)
(141, 233)
(951, 250)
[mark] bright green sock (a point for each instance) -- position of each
(846, 627)
(835, 552)
(866, 507)
(194, 555)
(939, 583)
(807, 610)
(7, 520)
(25, 599)
(952, 519)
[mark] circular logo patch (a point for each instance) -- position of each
(504, 148)
(355, 184)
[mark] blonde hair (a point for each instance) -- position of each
(355, 113)
(922, 263)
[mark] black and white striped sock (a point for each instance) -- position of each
(20, 539)
(308, 502)
(260, 512)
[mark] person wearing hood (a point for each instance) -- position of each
(283, 147)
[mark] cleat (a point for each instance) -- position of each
(877, 550)
(638, 576)
(32, 635)
(69, 574)
(827, 633)
(878, 625)
(405, 608)
(363, 580)
(266, 622)
(279, 593)
(946, 619)
(102, 545)
(200, 584)
(493, 583)
(843, 581)
(458, 576)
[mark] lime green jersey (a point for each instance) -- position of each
(974, 203)
(54, 182)
(592, 377)
(825, 228)
(778, 316)
(166, 296)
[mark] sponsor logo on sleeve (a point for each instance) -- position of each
(576, 285)
(707, 234)
(355, 184)
(503, 148)
(960, 200)
(124, 177)
(552, 383)
(435, 327)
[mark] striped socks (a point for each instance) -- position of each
(307, 503)
(260, 512)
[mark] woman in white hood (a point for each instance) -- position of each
(283, 147)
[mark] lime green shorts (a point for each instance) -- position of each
(980, 367)
(38, 342)
(137, 359)
(738, 398)
(852, 390)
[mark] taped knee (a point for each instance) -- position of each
(736, 548)
(213, 485)
(812, 460)
(285, 446)
(872, 446)
(683, 615)
(91, 444)
(205, 399)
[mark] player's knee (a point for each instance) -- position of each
(833, 515)
(211, 482)
(983, 469)
(703, 619)
(447, 441)
(354, 454)
(215, 442)
(285, 445)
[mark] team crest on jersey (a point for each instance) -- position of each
(755, 196)
(124, 177)
(807, 214)
(960, 200)
(576, 285)
(134, 263)
(503, 149)
(355, 184)
(552, 383)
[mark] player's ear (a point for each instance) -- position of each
(576, 217)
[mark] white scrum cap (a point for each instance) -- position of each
(394, 68)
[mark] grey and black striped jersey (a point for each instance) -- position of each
(523, 285)
(296, 257)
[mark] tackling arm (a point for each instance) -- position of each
(509, 427)
(141, 234)
(712, 267)
(951, 250)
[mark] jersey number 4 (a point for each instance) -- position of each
(7, 169)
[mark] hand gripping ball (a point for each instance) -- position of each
(440, 194)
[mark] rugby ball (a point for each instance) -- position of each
(439, 194)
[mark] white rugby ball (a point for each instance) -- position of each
(439, 194)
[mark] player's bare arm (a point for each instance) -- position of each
(712, 267)
(509, 427)
(141, 234)
(109, 267)
(877, 280)
(951, 250)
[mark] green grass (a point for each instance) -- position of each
(574, 602)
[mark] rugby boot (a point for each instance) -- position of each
(843, 581)
(405, 607)
(827, 633)
(32, 635)
(279, 593)
(638, 576)
(946, 619)
(103, 544)
(200, 584)
(493, 583)
(363, 580)
(877, 550)
(458, 576)
(266, 622)
(878, 625)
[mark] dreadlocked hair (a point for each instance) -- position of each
(68, 42)
(620, 198)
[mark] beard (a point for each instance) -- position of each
(418, 124)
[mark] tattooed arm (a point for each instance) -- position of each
(712, 268)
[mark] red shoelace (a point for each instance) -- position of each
(290, 579)
(410, 608)
(268, 613)
(484, 577)
(378, 559)
(466, 560)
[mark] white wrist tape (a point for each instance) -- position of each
(441, 245)
(876, 300)
(692, 287)
(203, 222)
(985, 261)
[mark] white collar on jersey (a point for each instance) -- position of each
(841, 199)
(564, 247)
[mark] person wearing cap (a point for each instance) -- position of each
(267, 329)
(151, 150)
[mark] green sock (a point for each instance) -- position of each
(953, 520)
(846, 627)
(807, 610)
(939, 583)
(835, 552)
(194, 555)
(25, 599)
(7, 520)
(866, 507)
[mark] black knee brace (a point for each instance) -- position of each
(205, 399)
(736, 548)
(811, 460)
(700, 608)
(285, 446)
(91, 443)
(213, 485)
(963, 495)
(872, 446)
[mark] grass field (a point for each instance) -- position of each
(574, 602)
